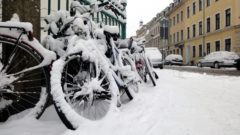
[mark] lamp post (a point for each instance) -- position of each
(163, 35)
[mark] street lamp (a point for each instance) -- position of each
(163, 35)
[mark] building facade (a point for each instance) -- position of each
(155, 32)
(106, 16)
(199, 27)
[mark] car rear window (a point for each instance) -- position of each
(153, 53)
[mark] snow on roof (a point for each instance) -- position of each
(174, 56)
(222, 55)
(153, 53)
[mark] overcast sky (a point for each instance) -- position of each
(143, 10)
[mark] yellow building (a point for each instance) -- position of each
(198, 27)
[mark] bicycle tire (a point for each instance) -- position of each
(141, 69)
(150, 72)
(134, 82)
(29, 93)
(71, 106)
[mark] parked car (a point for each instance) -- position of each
(155, 56)
(219, 59)
(238, 64)
(174, 59)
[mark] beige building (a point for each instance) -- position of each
(198, 27)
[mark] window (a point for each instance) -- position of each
(228, 17)
(177, 18)
(170, 22)
(170, 39)
(217, 23)
(173, 51)
(113, 21)
(59, 4)
(194, 30)
(217, 45)
(106, 19)
(67, 5)
(200, 51)
(181, 35)
(188, 12)
(194, 8)
(177, 36)
(174, 20)
(110, 20)
(208, 3)
(181, 15)
(228, 45)
(208, 24)
(194, 51)
(200, 5)
(177, 51)
(174, 38)
(208, 48)
(188, 33)
(102, 17)
(200, 28)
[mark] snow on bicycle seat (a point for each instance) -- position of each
(111, 29)
(17, 25)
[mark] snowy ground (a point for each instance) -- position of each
(181, 104)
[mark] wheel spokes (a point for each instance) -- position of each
(23, 90)
(85, 93)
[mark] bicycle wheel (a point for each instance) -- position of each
(127, 93)
(132, 83)
(141, 68)
(84, 92)
(150, 72)
(24, 93)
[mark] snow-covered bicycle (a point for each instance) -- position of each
(143, 63)
(92, 76)
(24, 72)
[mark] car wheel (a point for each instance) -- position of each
(199, 65)
(238, 66)
(216, 65)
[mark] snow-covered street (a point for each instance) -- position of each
(181, 104)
